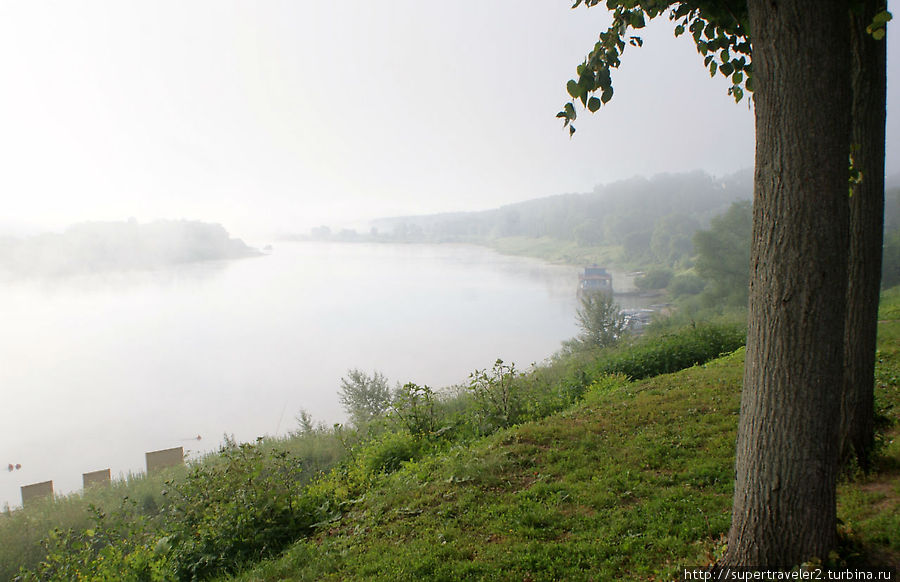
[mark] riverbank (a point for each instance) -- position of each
(594, 476)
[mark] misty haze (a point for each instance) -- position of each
(335, 290)
(101, 368)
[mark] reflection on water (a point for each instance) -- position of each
(97, 370)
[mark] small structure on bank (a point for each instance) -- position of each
(594, 280)
(36, 491)
(96, 478)
(158, 460)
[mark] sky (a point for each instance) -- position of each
(276, 116)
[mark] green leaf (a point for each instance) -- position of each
(878, 34)
(713, 67)
(594, 104)
(573, 89)
(737, 77)
(606, 95)
(882, 18)
(570, 111)
(571, 130)
(604, 79)
(637, 19)
(679, 30)
(738, 94)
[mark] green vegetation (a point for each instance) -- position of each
(654, 279)
(723, 256)
(632, 222)
(891, 269)
(570, 470)
(601, 322)
(364, 397)
(557, 251)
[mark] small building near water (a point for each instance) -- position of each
(594, 280)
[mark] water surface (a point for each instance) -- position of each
(98, 369)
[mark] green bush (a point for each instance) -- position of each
(671, 352)
(117, 546)
(245, 506)
(386, 453)
(654, 279)
(686, 284)
(414, 405)
(497, 402)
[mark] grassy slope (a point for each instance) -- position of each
(556, 251)
(632, 484)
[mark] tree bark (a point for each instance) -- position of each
(868, 80)
(787, 447)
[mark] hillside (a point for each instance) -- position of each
(569, 471)
(634, 483)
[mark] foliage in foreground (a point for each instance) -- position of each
(250, 500)
(632, 482)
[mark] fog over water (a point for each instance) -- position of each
(98, 369)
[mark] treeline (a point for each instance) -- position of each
(107, 246)
(653, 219)
(721, 258)
(690, 233)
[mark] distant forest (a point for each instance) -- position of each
(107, 246)
(652, 219)
(689, 232)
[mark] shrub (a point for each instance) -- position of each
(686, 284)
(668, 353)
(496, 402)
(600, 320)
(364, 397)
(414, 406)
(243, 507)
(117, 547)
(654, 279)
(386, 453)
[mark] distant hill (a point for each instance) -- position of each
(109, 246)
(653, 219)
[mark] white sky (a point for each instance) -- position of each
(271, 116)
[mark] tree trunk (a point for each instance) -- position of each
(787, 447)
(866, 236)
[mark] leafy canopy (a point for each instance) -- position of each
(719, 29)
(721, 33)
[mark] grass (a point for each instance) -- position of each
(635, 483)
(556, 250)
(870, 505)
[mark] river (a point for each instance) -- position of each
(98, 369)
